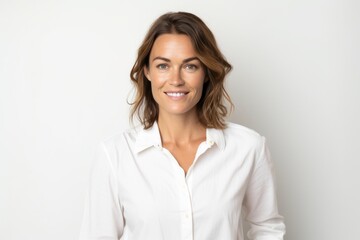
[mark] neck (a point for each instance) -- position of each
(179, 129)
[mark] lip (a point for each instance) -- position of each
(176, 94)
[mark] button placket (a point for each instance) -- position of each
(185, 204)
(187, 220)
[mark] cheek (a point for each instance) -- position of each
(200, 89)
(158, 79)
(199, 84)
(156, 88)
(199, 92)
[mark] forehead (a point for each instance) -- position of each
(173, 45)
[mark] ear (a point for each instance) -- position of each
(146, 72)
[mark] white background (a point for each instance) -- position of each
(64, 81)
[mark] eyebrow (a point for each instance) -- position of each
(168, 60)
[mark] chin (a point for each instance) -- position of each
(178, 111)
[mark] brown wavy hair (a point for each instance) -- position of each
(211, 108)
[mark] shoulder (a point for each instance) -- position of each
(122, 139)
(117, 146)
(240, 131)
(240, 136)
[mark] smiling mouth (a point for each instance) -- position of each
(176, 94)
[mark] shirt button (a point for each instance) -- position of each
(210, 142)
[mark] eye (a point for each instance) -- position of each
(190, 67)
(162, 66)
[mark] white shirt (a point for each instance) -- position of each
(138, 191)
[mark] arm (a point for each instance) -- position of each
(103, 218)
(260, 200)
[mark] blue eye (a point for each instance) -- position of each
(190, 67)
(162, 66)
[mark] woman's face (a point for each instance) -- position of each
(176, 75)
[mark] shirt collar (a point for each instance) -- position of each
(151, 138)
(148, 138)
(216, 136)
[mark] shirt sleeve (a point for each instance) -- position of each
(260, 199)
(103, 218)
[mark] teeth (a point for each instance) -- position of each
(175, 94)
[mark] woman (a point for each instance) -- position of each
(184, 173)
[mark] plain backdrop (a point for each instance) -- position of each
(64, 85)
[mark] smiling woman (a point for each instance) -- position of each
(189, 28)
(184, 173)
(176, 75)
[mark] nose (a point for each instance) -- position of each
(176, 78)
